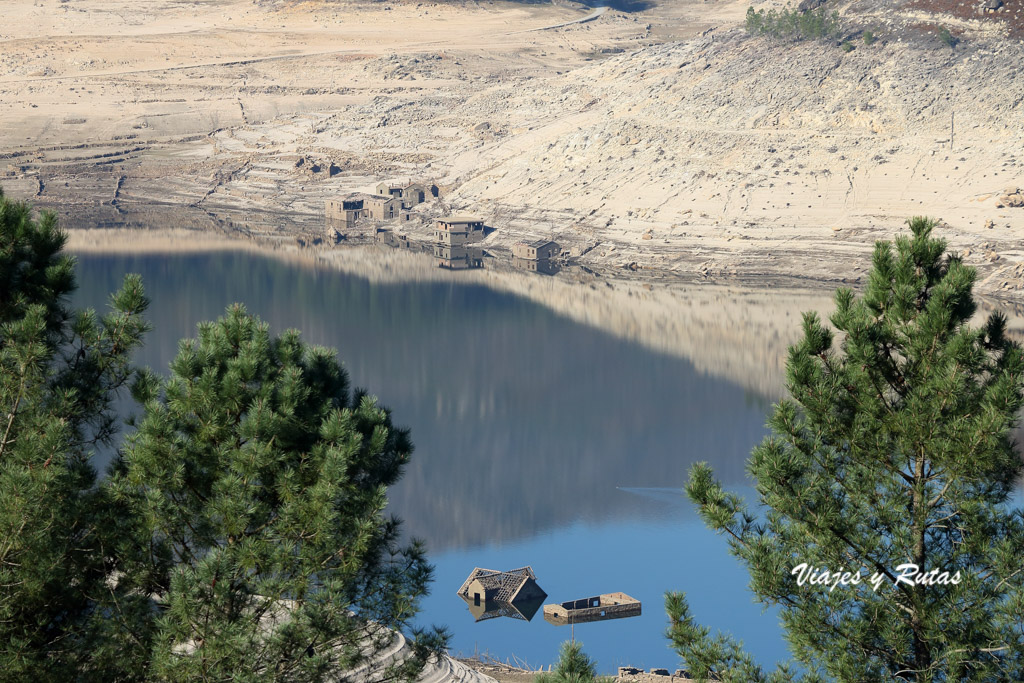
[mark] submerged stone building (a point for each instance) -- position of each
(490, 585)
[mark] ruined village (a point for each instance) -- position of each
(402, 214)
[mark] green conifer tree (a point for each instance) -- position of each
(262, 481)
(894, 449)
(574, 666)
(63, 613)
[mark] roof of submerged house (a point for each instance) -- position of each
(507, 584)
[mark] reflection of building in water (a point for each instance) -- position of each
(598, 608)
(456, 230)
(458, 257)
(489, 609)
(538, 250)
(393, 239)
(544, 267)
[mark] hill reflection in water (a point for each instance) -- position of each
(523, 420)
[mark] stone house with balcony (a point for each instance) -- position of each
(458, 230)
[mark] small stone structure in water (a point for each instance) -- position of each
(512, 586)
(597, 608)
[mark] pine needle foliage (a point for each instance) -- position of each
(790, 24)
(262, 479)
(62, 617)
(894, 448)
(240, 534)
(574, 666)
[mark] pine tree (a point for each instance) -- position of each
(574, 666)
(63, 615)
(893, 449)
(262, 481)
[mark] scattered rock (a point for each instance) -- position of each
(989, 6)
(1013, 198)
(808, 5)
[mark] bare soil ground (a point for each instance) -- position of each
(661, 144)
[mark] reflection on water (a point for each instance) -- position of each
(493, 609)
(541, 266)
(458, 256)
(523, 419)
(541, 440)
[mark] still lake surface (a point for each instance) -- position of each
(540, 441)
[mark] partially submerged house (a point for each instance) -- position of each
(490, 585)
(597, 608)
(538, 250)
(456, 230)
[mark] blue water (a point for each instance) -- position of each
(642, 558)
(539, 441)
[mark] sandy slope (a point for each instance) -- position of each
(664, 143)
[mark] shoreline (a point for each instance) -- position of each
(736, 330)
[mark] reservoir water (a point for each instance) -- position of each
(541, 439)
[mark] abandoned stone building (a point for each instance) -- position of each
(411, 193)
(597, 608)
(359, 205)
(538, 250)
(457, 230)
(490, 585)
(344, 212)
(407, 216)
(381, 208)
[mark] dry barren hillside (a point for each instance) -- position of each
(665, 143)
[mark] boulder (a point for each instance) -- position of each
(1013, 199)
(808, 5)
